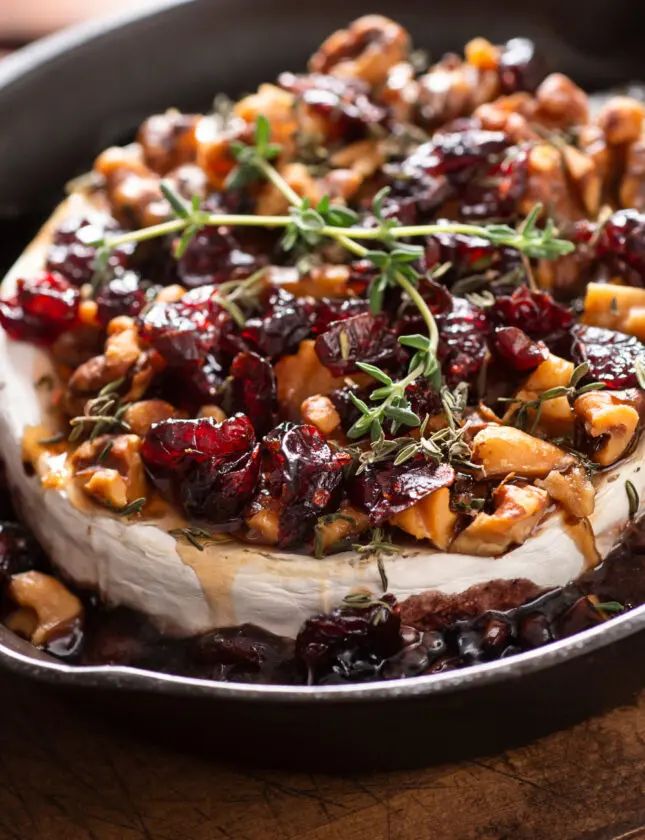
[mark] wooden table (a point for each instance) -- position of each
(62, 779)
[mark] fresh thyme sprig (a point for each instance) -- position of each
(571, 391)
(103, 414)
(380, 545)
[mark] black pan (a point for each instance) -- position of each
(64, 99)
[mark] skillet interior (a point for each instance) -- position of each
(63, 100)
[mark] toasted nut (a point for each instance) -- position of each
(55, 606)
(321, 281)
(556, 417)
(274, 103)
(213, 411)
(320, 412)
(572, 489)
(621, 120)
(110, 469)
(300, 376)
(632, 186)
(561, 102)
(350, 523)
(214, 154)
(517, 511)
(141, 415)
(430, 519)
(482, 54)
(264, 526)
(168, 140)
(107, 487)
(606, 416)
(366, 50)
(88, 313)
(584, 173)
(502, 450)
(616, 307)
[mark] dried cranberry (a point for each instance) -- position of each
(361, 338)
(254, 390)
(344, 104)
(534, 312)
(182, 331)
(455, 154)
(213, 468)
(623, 237)
(383, 489)
(466, 254)
(304, 474)
(329, 310)
(287, 321)
(518, 350)
(214, 256)
(72, 254)
(611, 355)
(42, 308)
(521, 66)
(494, 193)
(463, 341)
(121, 295)
(338, 641)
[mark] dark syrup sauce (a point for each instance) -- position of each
(120, 636)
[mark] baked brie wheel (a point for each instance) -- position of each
(238, 387)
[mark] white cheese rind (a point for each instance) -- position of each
(186, 591)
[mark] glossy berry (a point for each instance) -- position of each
(122, 295)
(184, 331)
(254, 390)
(304, 474)
(519, 351)
(343, 105)
(337, 642)
(42, 308)
(623, 237)
(383, 489)
(212, 468)
(521, 66)
(72, 254)
(286, 321)
(455, 154)
(611, 355)
(214, 256)
(463, 341)
(534, 312)
(361, 338)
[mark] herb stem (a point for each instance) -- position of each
(422, 306)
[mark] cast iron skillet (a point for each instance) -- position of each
(64, 99)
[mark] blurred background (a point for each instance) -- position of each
(23, 20)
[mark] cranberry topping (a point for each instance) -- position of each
(212, 467)
(121, 295)
(611, 355)
(456, 153)
(183, 331)
(304, 474)
(623, 237)
(521, 66)
(43, 307)
(286, 322)
(254, 390)
(72, 254)
(383, 489)
(518, 350)
(214, 256)
(463, 341)
(361, 338)
(344, 104)
(350, 643)
(534, 312)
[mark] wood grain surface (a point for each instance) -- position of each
(65, 776)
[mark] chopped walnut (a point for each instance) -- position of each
(502, 450)
(572, 489)
(610, 419)
(320, 412)
(54, 606)
(430, 519)
(517, 511)
(110, 469)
